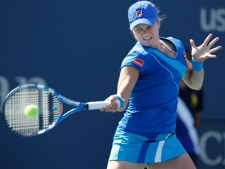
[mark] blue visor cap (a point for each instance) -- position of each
(142, 12)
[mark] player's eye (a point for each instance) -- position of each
(149, 27)
(138, 29)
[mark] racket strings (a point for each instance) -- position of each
(49, 110)
(45, 109)
(57, 108)
(19, 122)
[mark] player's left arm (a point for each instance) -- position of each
(194, 79)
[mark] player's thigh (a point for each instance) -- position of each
(124, 165)
(183, 161)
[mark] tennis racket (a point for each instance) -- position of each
(50, 109)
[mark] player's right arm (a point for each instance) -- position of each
(127, 80)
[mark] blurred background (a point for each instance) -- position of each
(76, 47)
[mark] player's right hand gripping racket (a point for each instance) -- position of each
(50, 107)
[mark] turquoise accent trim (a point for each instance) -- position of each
(121, 101)
(135, 148)
(172, 62)
(197, 66)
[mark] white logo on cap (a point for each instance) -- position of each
(139, 13)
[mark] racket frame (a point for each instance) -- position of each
(78, 106)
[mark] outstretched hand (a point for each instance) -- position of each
(204, 51)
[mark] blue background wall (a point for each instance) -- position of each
(76, 47)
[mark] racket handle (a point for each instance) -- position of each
(101, 104)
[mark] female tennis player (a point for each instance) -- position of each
(149, 84)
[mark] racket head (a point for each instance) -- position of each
(49, 109)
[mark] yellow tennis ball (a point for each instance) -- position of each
(31, 111)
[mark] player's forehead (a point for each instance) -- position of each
(142, 26)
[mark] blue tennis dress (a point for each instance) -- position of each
(146, 133)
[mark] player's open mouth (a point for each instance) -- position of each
(147, 38)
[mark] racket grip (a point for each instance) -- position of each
(101, 104)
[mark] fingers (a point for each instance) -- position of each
(112, 105)
(204, 51)
(215, 49)
(211, 56)
(192, 43)
(207, 39)
(213, 42)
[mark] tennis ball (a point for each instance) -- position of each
(31, 111)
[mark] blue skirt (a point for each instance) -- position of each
(139, 149)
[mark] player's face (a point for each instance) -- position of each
(147, 35)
